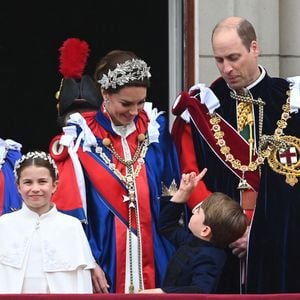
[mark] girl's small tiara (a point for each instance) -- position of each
(35, 154)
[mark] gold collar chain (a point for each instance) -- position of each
(246, 98)
(139, 155)
(129, 180)
(263, 151)
(270, 142)
(276, 145)
(225, 150)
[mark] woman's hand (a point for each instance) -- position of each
(100, 284)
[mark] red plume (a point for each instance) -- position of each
(73, 56)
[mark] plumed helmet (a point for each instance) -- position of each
(76, 91)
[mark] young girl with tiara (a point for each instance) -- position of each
(45, 251)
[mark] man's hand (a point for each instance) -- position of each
(239, 247)
(100, 284)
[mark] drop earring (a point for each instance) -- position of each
(105, 102)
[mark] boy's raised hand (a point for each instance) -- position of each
(190, 180)
(187, 184)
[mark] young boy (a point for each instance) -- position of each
(197, 264)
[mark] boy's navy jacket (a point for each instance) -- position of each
(196, 266)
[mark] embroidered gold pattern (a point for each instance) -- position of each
(290, 170)
(244, 110)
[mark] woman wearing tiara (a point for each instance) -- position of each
(123, 160)
(44, 251)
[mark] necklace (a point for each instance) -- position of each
(267, 143)
(276, 146)
(246, 98)
(129, 181)
(139, 155)
(225, 150)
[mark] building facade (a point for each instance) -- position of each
(190, 25)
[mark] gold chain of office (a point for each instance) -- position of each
(129, 180)
(225, 150)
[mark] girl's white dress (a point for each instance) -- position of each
(44, 254)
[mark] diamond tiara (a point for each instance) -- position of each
(133, 69)
(35, 154)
